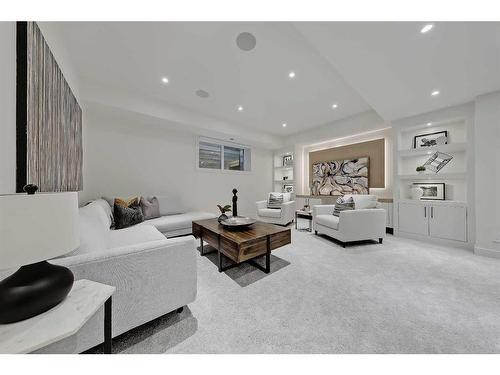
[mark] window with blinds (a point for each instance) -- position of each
(218, 155)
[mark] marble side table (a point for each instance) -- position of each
(84, 300)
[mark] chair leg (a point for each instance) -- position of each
(316, 232)
(343, 245)
(380, 240)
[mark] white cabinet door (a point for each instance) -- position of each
(413, 218)
(449, 223)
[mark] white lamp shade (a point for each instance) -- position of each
(37, 227)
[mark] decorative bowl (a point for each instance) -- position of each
(238, 222)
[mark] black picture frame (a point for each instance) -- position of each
(442, 184)
(286, 187)
(415, 138)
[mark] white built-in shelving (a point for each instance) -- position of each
(281, 171)
(457, 176)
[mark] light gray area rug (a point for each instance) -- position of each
(403, 296)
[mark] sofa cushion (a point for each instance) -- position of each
(269, 212)
(275, 200)
(175, 222)
(127, 216)
(343, 204)
(362, 201)
(170, 205)
(107, 209)
(94, 228)
(329, 221)
(150, 207)
(134, 235)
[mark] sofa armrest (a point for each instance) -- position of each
(261, 204)
(322, 209)
(288, 210)
(362, 220)
(111, 254)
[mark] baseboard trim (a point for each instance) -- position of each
(491, 253)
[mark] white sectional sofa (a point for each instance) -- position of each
(365, 222)
(153, 275)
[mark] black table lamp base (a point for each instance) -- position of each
(32, 290)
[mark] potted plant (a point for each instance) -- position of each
(223, 210)
(420, 169)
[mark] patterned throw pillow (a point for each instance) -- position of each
(150, 207)
(275, 200)
(343, 204)
(127, 202)
(127, 216)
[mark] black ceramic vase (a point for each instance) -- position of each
(32, 290)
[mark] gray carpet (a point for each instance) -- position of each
(402, 296)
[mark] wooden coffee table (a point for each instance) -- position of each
(244, 245)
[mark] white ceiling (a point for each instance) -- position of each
(388, 67)
(395, 67)
(133, 57)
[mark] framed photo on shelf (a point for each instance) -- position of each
(287, 160)
(287, 188)
(432, 191)
(430, 139)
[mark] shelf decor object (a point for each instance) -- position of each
(287, 188)
(34, 228)
(431, 191)
(437, 161)
(430, 139)
(287, 160)
(416, 192)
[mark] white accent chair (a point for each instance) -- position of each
(280, 216)
(365, 222)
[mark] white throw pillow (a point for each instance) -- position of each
(363, 201)
(94, 228)
(170, 205)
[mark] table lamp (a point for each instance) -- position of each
(34, 228)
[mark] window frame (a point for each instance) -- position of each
(222, 143)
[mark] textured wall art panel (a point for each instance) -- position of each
(53, 121)
(339, 177)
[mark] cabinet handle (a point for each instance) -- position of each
(425, 211)
(432, 212)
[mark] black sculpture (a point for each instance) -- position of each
(235, 203)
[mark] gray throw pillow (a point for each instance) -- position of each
(150, 207)
(343, 204)
(275, 200)
(127, 216)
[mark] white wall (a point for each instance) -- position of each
(487, 168)
(7, 107)
(126, 157)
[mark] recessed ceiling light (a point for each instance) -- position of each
(435, 93)
(240, 108)
(284, 124)
(231, 139)
(164, 80)
(246, 41)
(202, 93)
(291, 74)
(334, 106)
(429, 123)
(426, 28)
